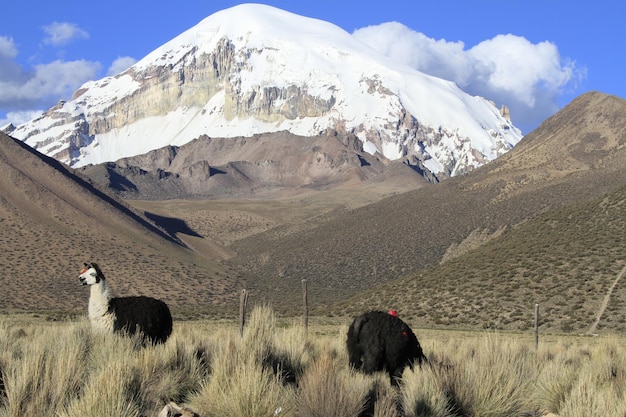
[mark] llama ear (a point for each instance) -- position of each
(97, 269)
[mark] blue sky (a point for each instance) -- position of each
(533, 56)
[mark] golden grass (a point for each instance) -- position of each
(277, 368)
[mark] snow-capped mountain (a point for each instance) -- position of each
(255, 69)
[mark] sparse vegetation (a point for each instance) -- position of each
(276, 368)
(565, 260)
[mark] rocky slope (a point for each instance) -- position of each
(265, 166)
(543, 223)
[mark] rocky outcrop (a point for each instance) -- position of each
(505, 112)
(197, 79)
(265, 164)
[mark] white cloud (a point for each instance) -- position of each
(121, 64)
(38, 87)
(443, 59)
(19, 117)
(7, 48)
(518, 66)
(58, 78)
(61, 33)
(8, 68)
(528, 78)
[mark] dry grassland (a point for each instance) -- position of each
(277, 368)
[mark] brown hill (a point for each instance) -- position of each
(268, 166)
(53, 219)
(576, 156)
(569, 260)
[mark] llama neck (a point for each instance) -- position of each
(99, 299)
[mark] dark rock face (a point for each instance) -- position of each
(245, 167)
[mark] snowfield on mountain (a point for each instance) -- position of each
(256, 69)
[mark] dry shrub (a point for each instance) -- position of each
(600, 389)
(106, 394)
(325, 391)
(251, 390)
(490, 378)
(386, 400)
(167, 373)
(42, 369)
(557, 372)
(590, 400)
(241, 383)
(67, 370)
(554, 384)
(108, 386)
(424, 393)
(258, 335)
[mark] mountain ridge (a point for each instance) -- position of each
(372, 198)
(469, 252)
(253, 76)
(263, 166)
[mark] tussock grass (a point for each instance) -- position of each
(42, 369)
(424, 392)
(327, 392)
(242, 382)
(600, 389)
(496, 376)
(276, 368)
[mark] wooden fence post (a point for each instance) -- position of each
(243, 303)
(305, 302)
(536, 326)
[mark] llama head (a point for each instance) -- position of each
(90, 274)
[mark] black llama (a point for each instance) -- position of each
(379, 341)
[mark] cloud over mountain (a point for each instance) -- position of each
(509, 69)
(26, 89)
(121, 64)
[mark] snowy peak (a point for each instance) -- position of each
(255, 26)
(257, 69)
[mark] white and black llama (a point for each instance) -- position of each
(148, 317)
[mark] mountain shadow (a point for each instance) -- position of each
(172, 225)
